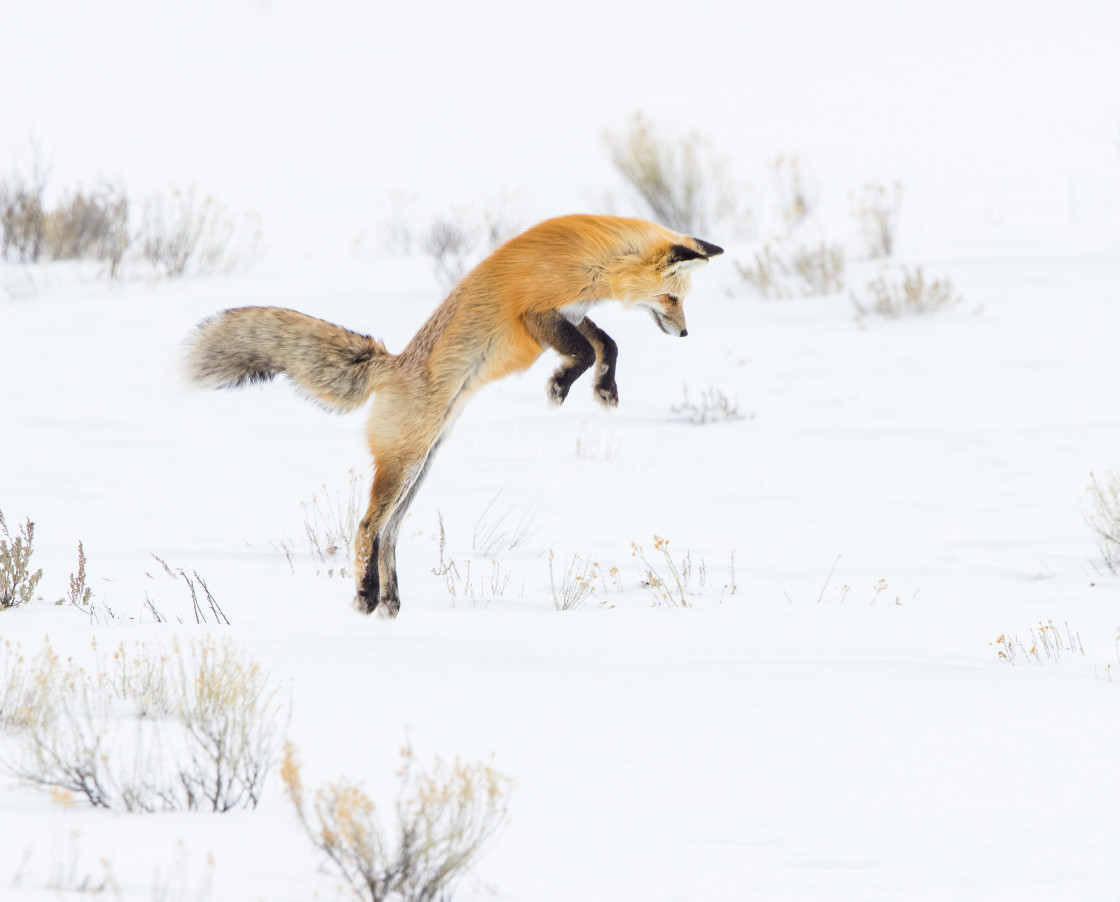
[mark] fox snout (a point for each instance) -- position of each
(668, 312)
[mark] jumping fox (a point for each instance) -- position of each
(533, 292)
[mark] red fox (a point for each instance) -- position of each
(531, 293)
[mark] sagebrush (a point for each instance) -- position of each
(460, 237)
(820, 268)
(148, 730)
(90, 225)
(912, 294)
(22, 218)
(17, 579)
(678, 179)
(811, 269)
(796, 195)
(183, 232)
(446, 816)
(1103, 516)
(876, 209)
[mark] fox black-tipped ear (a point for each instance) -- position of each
(681, 257)
(708, 249)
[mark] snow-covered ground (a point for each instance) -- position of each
(829, 719)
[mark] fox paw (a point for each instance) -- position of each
(607, 394)
(388, 608)
(557, 392)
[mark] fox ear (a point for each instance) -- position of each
(707, 248)
(681, 258)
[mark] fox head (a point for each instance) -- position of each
(659, 279)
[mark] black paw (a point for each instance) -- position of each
(388, 608)
(606, 393)
(365, 604)
(557, 391)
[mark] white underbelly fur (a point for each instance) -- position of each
(574, 313)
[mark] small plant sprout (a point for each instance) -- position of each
(576, 584)
(1043, 642)
(731, 588)
(209, 612)
(503, 530)
(461, 584)
(80, 594)
(667, 583)
(712, 406)
(329, 521)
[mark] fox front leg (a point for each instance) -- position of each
(606, 355)
(577, 354)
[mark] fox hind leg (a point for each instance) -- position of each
(403, 444)
(375, 544)
(389, 602)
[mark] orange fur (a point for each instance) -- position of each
(492, 324)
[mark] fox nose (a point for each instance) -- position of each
(684, 332)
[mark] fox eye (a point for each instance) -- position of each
(672, 299)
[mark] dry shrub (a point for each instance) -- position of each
(459, 238)
(892, 298)
(678, 179)
(80, 595)
(28, 689)
(22, 218)
(797, 197)
(496, 530)
(329, 521)
(91, 225)
(1103, 517)
(876, 210)
(815, 269)
(451, 244)
(17, 580)
(446, 817)
(763, 274)
(461, 584)
(84, 225)
(713, 406)
(820, 267)
(182, 233)
(199, 729)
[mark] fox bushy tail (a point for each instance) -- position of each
(333, 366)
